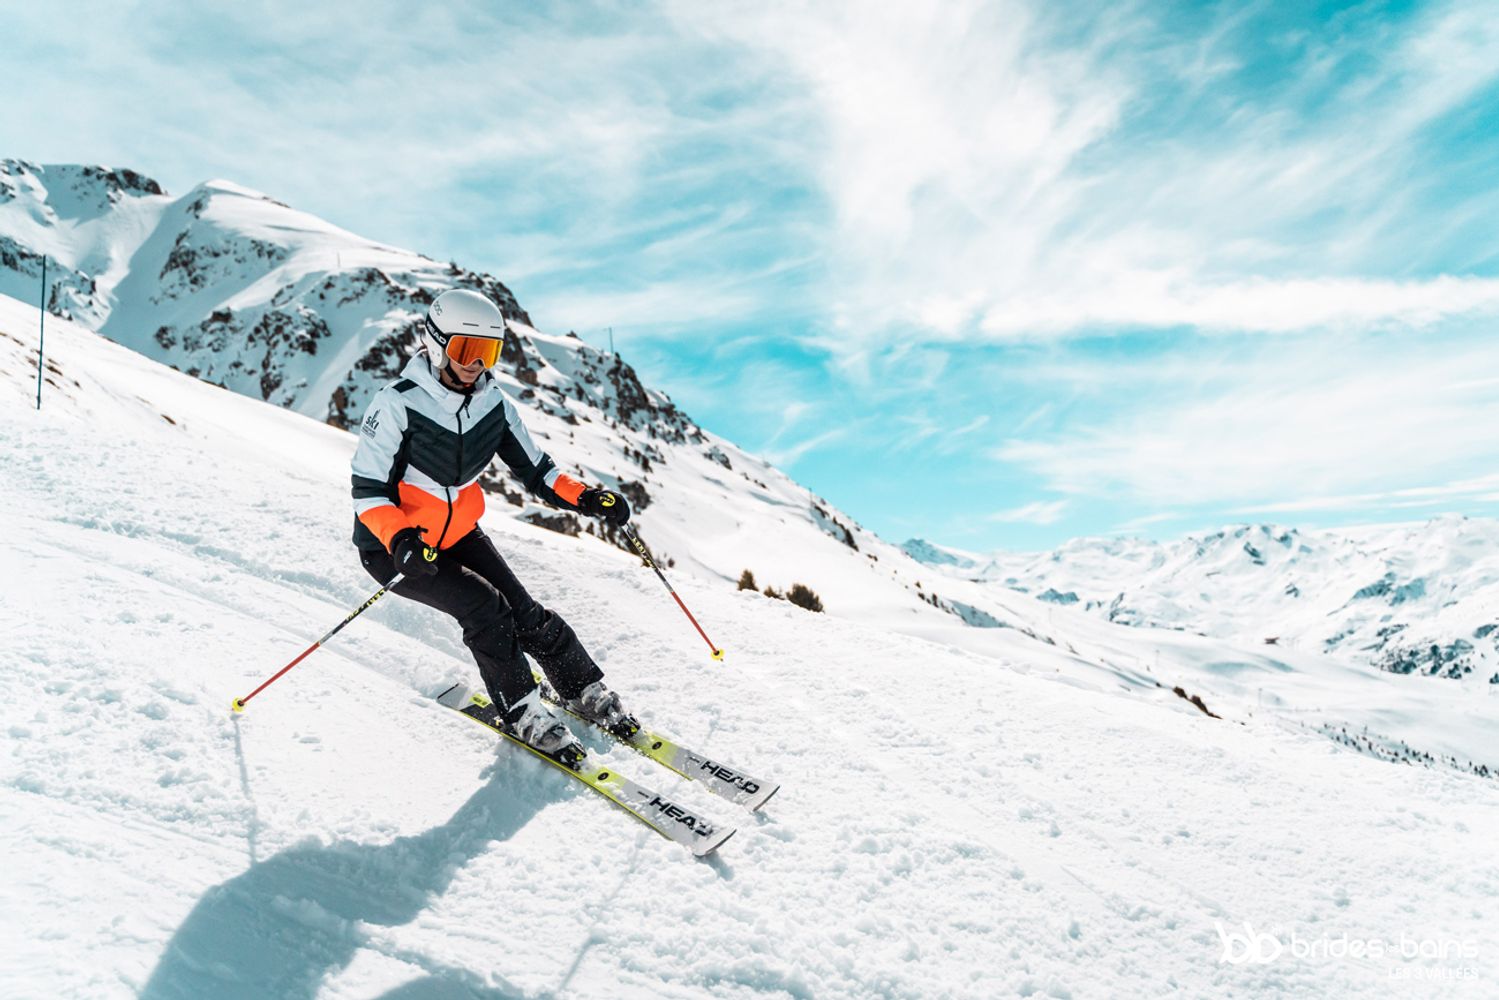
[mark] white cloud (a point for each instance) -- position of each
(1317, 427)
(974, 159)
(528, 136)
(657, 308)
(1157, 300)
(1142, 522)
(976, 424)
(1462, 491)
(786, 456)
(984, 179)
(1037, 512)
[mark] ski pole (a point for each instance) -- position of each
(238, 704)
(646, 555)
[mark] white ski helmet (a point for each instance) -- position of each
(475, 322)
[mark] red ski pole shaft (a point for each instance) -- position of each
(238, 704)
(646, 555)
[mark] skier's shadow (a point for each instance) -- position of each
(280, 927)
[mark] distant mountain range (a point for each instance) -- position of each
(1413, 598)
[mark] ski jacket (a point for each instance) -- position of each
(422, 448)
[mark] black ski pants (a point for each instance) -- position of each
(500, 621)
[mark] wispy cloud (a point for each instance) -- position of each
(1143, 522)
(1279, 430)
(655, 309)
(1036, 512)
(787, 455)
(1164, 300)
(1483, 489)
(588, 137)
(996, 169)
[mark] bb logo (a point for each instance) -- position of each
(1238, 949)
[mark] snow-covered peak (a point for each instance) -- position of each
(72, 191)
(932, 554)
(86, 220)
(1406, 598)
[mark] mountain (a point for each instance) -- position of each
(1013, 810)
(1405, 598)
(224, 283)
(237, 289)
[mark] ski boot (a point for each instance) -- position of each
(601, 706)
(533, 722)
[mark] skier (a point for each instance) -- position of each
(425, 440)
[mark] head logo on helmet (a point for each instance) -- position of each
(462, 327)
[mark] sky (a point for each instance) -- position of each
(992, 274)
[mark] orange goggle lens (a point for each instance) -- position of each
(464, 351)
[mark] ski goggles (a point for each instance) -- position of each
(464, 350)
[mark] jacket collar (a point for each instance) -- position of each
(420, 371)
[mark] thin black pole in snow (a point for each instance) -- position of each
(41, 343)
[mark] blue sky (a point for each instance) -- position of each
(996, 274)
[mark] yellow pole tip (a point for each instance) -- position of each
(237, 705)
(718, 655)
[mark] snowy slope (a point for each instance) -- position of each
(971, 825)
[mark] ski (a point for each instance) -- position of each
(676, 823)
(719, 778)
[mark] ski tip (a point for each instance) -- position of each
(454, 697)
(758, 803)
(709, 847)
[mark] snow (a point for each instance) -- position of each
(1007, 819)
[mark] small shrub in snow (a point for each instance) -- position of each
(803, 597)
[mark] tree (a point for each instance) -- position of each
(747, 581)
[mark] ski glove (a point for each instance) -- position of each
(605, 504)
(413, 556)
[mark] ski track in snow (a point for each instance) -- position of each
(948, 826)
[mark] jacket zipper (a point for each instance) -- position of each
(457, 474)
